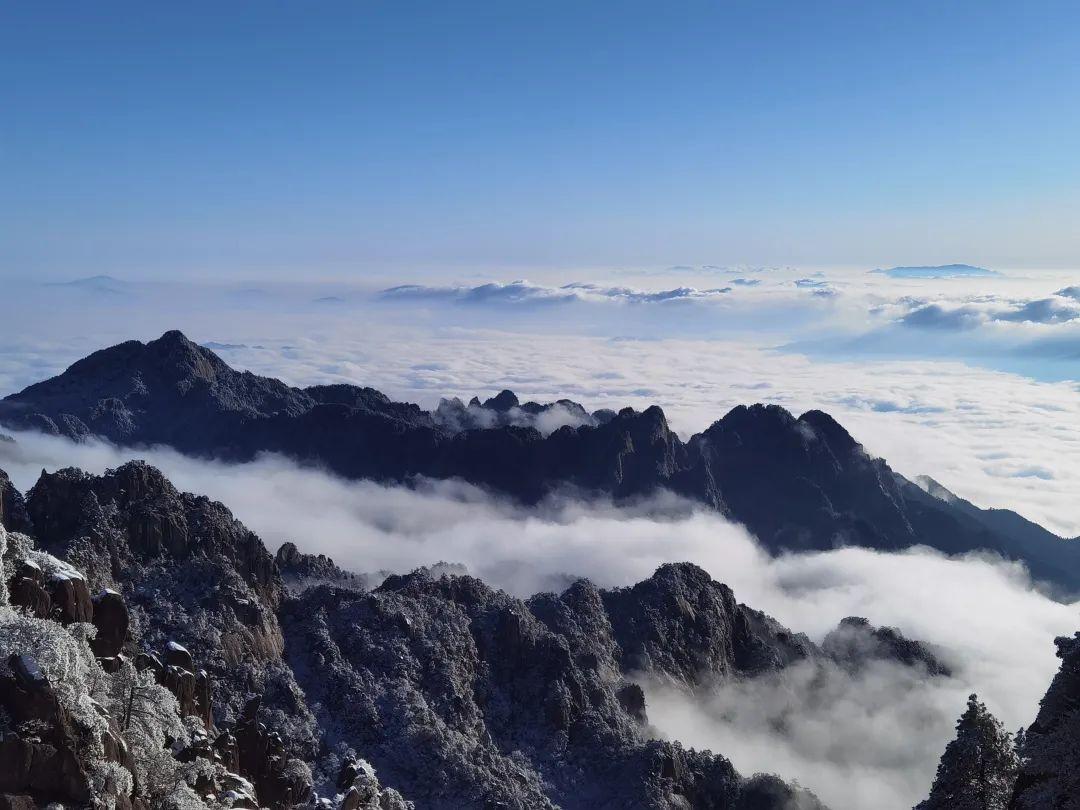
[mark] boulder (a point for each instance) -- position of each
(178, 656)
(111, 620)
(145, 661)
(181, 682)
(45, 764)
(28, 594)
(70, 596)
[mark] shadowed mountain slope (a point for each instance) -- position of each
(797, 483)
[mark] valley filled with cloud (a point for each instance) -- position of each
(928, 373)
(866, 738)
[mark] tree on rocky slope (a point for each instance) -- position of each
(978, 768)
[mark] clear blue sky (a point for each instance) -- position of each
(338, 139)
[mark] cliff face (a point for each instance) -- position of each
(795, 482)
(13, 515)
(1049, 759)
(188, 571)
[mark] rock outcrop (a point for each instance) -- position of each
(856, 643)
(44, 763)
(300, 570)
(681, 624)
(13, 516)
(461, 696)
(78, 731)
(1049, 758)
(184, 568)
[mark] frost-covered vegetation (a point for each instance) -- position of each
(122, 728)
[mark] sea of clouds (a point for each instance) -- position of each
(971, 381)
(990, 410)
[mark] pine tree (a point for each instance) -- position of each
(978, 768)
(1019, 738)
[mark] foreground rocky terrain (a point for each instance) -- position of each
(152, 656)
(796, 482)
(153, 653)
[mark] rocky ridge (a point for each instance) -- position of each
(459, 695)
(796, 482)
(456, 694)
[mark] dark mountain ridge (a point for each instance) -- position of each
(797, 483)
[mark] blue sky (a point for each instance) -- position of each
(351, 139)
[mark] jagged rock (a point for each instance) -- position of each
(176, 655)
(28, 569)
(362, 790)
(144, 661)
(503, 401)
(199, 748)
(13, 515)
(855, 643)
(181, 682)
(27, 593)
(226, 751)
(681, 624)
(1049, 773)
(204, 700)
(187, 571)
(70, 597)
(46, 764)
(279, 782)
(462, 696)
(474, 674)
(297, 567)
(505, 410)
(238, 792)
(111, 620)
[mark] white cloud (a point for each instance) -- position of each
(979, 432)
(524, 292)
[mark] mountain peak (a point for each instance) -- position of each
(173, 337)
(503, 401)
(827, 428)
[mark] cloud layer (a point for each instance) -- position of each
(524, 292)
(919, 396)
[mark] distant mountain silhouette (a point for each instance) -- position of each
(937, 271)
(93, 284)
(797, 483)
